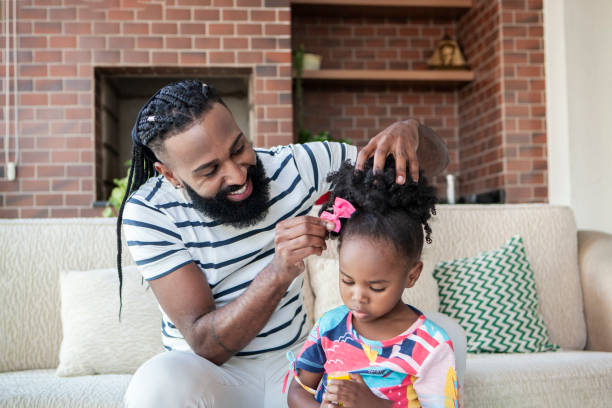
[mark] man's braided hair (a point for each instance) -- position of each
(170, 111)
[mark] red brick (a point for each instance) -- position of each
(263, 15)
(79, 199)
(62, 14)
(35, 99)
(235, 15)
(43, 200)
(79, 170)
(47, 28)
(193, 58)
(279, 112)
(62, 70)
(79, 143)
(208, 43)
(249, 29)
(235, 43)
(34, 185)
(221, 29)
(34, 213)
(164, 28)
(206, 15)
(263, 43)
(252, 3)
(77, 57)
(114, 15)
(19, 200)
(165, 57)
(136, 28)
(135, 57)
(252, 57)
(178, 14)
(56, 142)
(27, 13)
(64, 185)
(178, 42)
(62, 42)
(77, 28)
(149, 42)
(192, 28)
(121, 43)
(277, 29)
(92, 42)
(279, 57)
(64, 212)
(217, 57)
(150, 12)
(32, 70)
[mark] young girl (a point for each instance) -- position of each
(389, 353)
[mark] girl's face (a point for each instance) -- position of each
(373, 275)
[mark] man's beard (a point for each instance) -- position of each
(239, 214)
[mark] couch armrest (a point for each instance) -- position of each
(595, 262)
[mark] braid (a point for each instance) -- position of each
(172, 110)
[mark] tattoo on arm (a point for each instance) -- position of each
(217, 339)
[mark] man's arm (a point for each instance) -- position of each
(407, 141)
(218, 333)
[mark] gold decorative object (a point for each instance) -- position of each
(447, 56)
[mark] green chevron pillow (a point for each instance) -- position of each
(493, 296)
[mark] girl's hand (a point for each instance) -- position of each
(352, 394)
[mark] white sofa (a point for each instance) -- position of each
(573, 273)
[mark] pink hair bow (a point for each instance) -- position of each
(342, 209)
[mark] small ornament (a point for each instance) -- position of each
(447, 55)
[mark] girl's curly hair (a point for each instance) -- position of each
(386, 210)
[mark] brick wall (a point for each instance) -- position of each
(62, 41)
(480, 102)
(502, 113)
(359, 111)
(525, 137)
(494, 126)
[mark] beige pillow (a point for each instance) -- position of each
(94, 341)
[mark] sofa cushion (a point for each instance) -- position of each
(95, 341)
(493, 296)
(33, 254)
(550, 237)
(552, 379)
(42, 388)
(460, 231)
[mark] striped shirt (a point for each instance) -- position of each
(164, 232)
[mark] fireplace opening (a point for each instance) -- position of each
(121, 92)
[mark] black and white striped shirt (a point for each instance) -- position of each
(164, 232)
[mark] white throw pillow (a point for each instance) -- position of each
(94, 341)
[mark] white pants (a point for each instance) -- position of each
(178, 379)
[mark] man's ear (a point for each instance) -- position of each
(413, 274)
(167, 173)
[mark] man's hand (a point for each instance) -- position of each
(353, 393)
(295, 239)
(406, 140)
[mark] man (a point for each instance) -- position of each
(221, 236)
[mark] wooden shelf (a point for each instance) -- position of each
(424, 76)
(451, 8)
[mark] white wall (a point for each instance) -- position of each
(578, 34)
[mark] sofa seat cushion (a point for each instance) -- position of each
(551, 379)
(37, 388)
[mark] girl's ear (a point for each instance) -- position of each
(413, 274)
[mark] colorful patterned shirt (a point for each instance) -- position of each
(414, 369)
